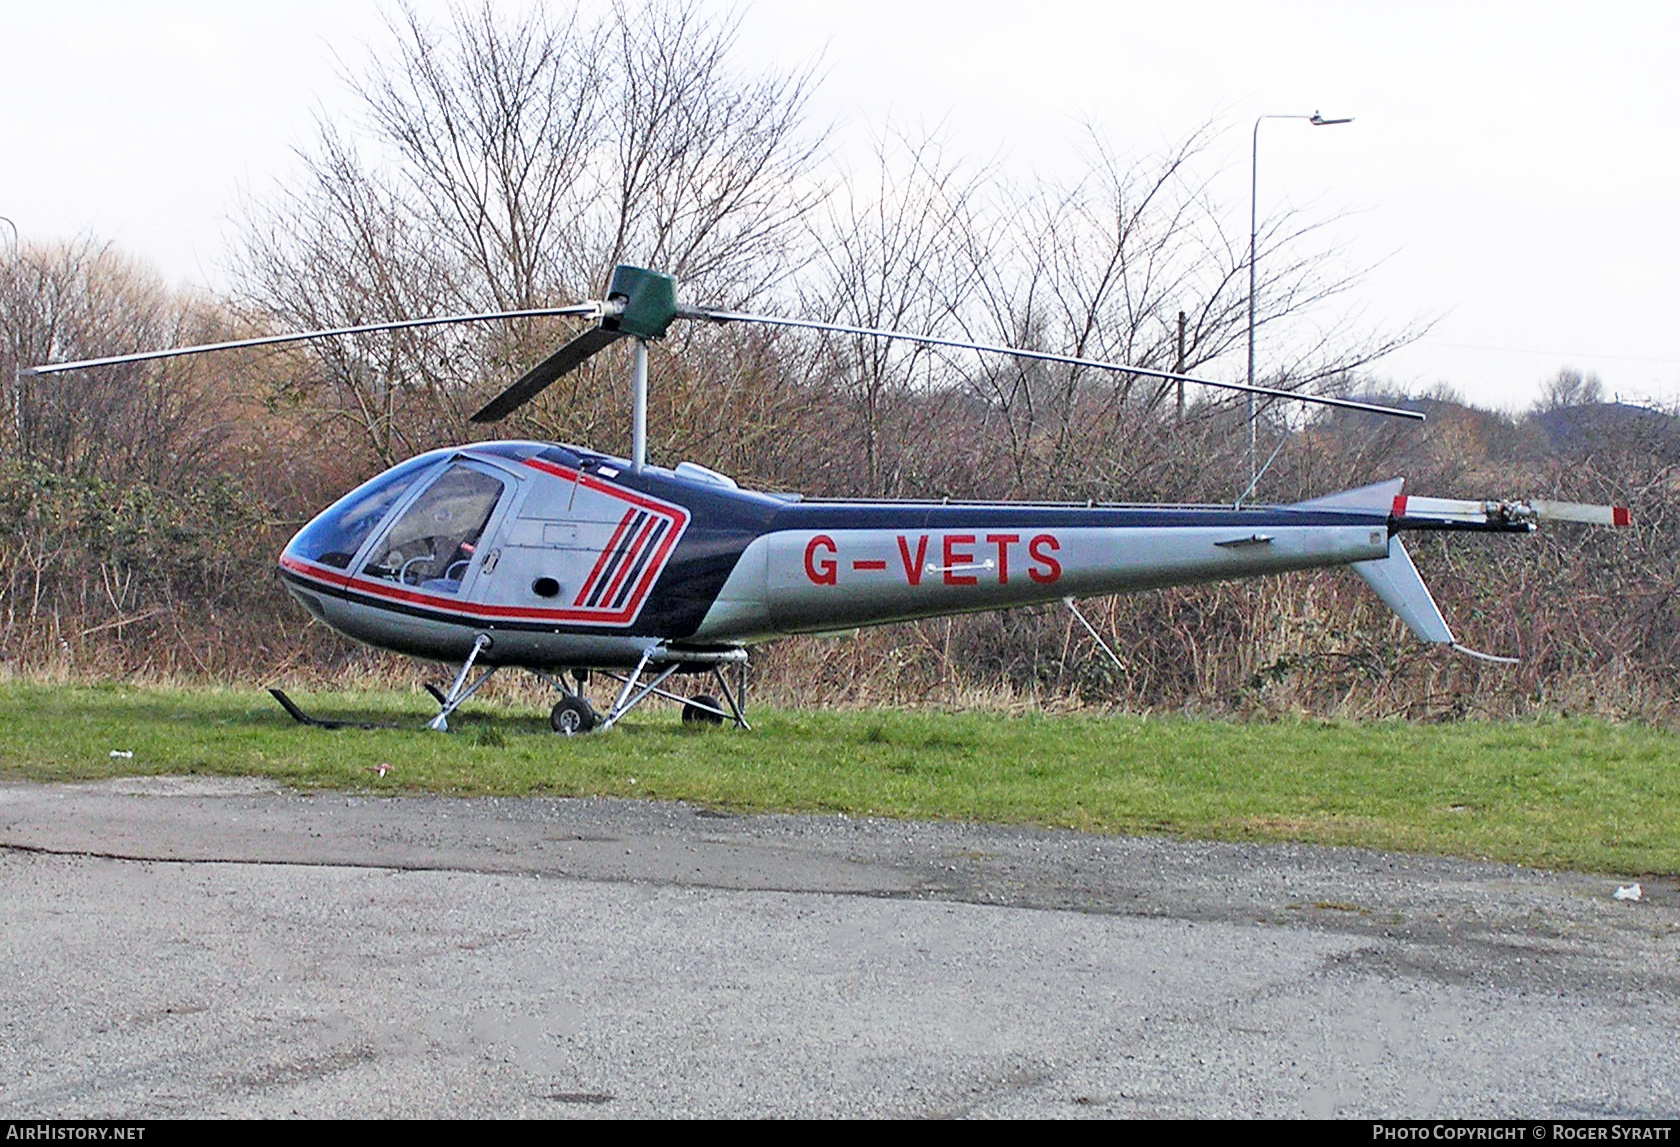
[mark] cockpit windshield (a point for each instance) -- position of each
(335, 535)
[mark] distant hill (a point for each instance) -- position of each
(1575, 429)
(1605, 424)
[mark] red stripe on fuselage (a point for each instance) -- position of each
(326, 575)
(600, 562)
(628, 561)
(456, 609)
(675, 514)
(590, 482)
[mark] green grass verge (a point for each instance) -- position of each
(1578, 794)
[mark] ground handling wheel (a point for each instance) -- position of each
(694, 714)
(571, 715)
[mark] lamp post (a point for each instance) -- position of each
(1253, 242)
(12, 348)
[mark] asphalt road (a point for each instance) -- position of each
(191, 947)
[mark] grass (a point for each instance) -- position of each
(1579, 794)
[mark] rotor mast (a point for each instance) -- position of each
(638, 406)
(640, 305)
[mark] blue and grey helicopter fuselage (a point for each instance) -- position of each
(565, 558)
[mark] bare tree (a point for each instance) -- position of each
(509, 162)
(1569, 387)
(141, 421)
(491, 131)
(891, 251)
(712, 172)
(1099, 269)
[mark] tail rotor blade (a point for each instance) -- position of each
(562, 362)
(1581, 512)
(1448, 513)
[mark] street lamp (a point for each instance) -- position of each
(12, 339)
(1253, 242)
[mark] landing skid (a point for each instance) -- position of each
(573, 714)
(303, 718)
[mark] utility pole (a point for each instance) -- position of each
(1178, 365)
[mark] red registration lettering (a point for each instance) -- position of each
(954, 557)
(825, 570)
(913, 569)
(1044, 569)
(1003, 542)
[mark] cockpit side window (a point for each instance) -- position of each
(433, 542)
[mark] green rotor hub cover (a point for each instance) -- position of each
(650, 301)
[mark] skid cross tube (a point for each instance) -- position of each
(736, 713)
(453, 700)
(633, 693)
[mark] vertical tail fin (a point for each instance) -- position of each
(1401, 587)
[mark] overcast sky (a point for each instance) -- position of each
(1511, 166)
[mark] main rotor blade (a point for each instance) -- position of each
(563, 361)
(1046, 356)
(591, 309)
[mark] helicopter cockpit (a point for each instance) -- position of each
(532, 532)
(432, 542)
(427, 543)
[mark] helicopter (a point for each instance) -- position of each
(561, 560)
